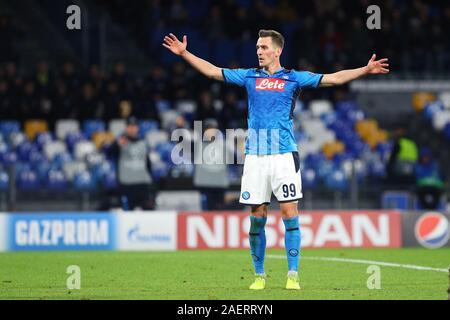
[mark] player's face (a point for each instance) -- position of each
(267, 52)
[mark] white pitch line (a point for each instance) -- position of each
(381, 263)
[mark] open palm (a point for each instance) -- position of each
(377, 67)
(172, 43)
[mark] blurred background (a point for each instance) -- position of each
(67, 95)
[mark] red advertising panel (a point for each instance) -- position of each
(319, 229)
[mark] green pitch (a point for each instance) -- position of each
(222, 274)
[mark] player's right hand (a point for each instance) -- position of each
(172, 43)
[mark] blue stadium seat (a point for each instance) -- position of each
(4, 181)
(60, 159)
(165, 151)
(84, 181)
(325, 169)
(92, 126)
(431, 108)
(337, 181)
(24, 150)
(313, 160)
(35, 157)
(100, 170)
(339, 158)
(377, 169)
(42, 168)
(43, 138)
(72, 138)
(146, 126)
(310, 179)
(21, 166)
(56, 180)
(159, 170)
(384, 149)
(8, 127)
(27, 180)
(8, 158)
(109, 180)
(447, 131)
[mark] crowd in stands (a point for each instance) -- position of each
(68, 93)
(321, 35)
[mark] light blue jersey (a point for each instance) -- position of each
(271, 102)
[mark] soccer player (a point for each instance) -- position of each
(272, 161)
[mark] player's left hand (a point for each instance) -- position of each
(377, 66)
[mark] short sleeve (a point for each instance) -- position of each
(307, 79)
(234, 76)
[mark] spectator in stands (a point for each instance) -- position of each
(403, 159)
(205, 107)
(211, 176)
(88, 104)
(134, 168)
(69, 77)
(429, 181)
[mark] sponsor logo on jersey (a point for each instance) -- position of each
(270, 84)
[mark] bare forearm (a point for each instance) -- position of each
(344, 76)
(203, 66)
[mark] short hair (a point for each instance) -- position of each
(277, 37)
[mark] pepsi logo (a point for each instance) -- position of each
(432, 230)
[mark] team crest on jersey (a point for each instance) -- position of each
(270, 84)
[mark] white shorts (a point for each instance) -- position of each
(264, 174)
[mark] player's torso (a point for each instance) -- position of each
(271, 98)
(271, 101)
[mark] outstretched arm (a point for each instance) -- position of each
(344, 76)
(179, 48)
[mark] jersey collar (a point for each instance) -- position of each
(265, 72)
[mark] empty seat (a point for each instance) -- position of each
(420, 99)
(83, 148)
(168, 118)
(72, 138)
(440, 119)
(27, 180)
(319, 107)
(8, 127)
(117, 127)
(314, 127)
(146, 126)
(92, 126)
(84, 182)
(56, 180)
(64, 126)
(154, 138)
(53, 148)
(4, 181)
(42, 139)
(33, 127)
(100, 138)
(72, 168)
(8, 158)
(186, 106)
(444, 97)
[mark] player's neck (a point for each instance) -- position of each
(273, 68)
